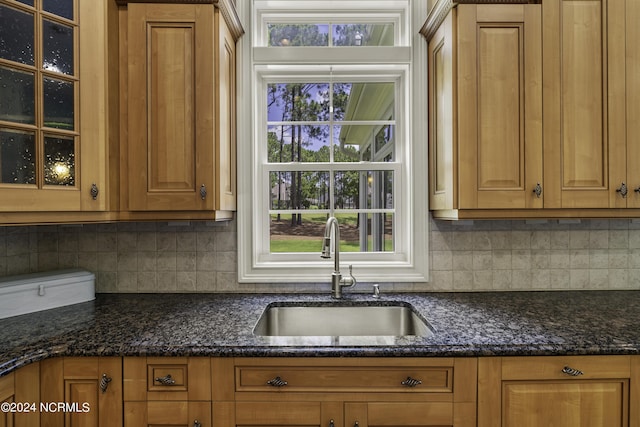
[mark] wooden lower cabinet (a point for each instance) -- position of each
(167, 391)
(90, 388)
(161, 414)
(577, 391)
(20, 387)
(363, 392)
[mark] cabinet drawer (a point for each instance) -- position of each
(167, 378)
(344, 379)
(561, 367)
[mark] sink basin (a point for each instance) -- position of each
(302, 320)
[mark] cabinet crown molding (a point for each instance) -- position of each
(226, 7)
(442, 8)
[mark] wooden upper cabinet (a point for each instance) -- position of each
(584, 103)
(526, 97)
(54, 125)
(180, 98)
(499, 106)
(632, 68)
(485, 108)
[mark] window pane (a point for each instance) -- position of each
(363, 190)
(297, 102)
(62, 8)
(299, 190)
(354, 142)
(57, 49)
(58, 103)
(363, 101)
(17, 96)
(363, 35)
(59, 161)
(298, 34)
(300, 143)
(297, 232)
(27, 2)
(16, 35)
(376, 232)
(17, 161)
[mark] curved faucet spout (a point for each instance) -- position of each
(332, 230)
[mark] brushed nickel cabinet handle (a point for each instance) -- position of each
(332, 423)
(104, 382)
(277, 382)
(203, 192)
(573, 372)
(197, 423)
(637, 190)
(411, 382)
(166, 380)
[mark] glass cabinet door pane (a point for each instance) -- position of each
(27, 2)
(17, 159)
(17, 96)
(59, 160)
(57, 49)
(62, 8)
(16, 35)
(58, 103)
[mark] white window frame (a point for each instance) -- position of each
(261, 65)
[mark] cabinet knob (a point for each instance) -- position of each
(104, 382)
(538, 190)
(411, 382)
(166, 380)
(622, 190)
(573, 372)
(277, 382)
(203, 191)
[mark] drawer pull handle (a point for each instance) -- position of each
(332, 423)
(166, 380)
(104, 382)
(573, 372)
(411, 382)
(197, 423)
(277, 382)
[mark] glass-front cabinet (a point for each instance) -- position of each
(53, 105)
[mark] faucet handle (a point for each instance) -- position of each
(351, 278)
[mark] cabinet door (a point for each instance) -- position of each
(500, 106)
(54, 123)
(174, 414)
(591, 391)
(584, 143)
(383, 414)
(91, 388)
(632, 13)
(595, 403)
(170, 107)
(280, 413)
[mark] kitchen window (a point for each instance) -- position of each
(328, 132)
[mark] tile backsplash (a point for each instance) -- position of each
(201, 257)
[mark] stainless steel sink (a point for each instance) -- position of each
(341, 320)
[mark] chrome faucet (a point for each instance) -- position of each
(337, 281)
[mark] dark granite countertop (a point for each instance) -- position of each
(465, 324)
